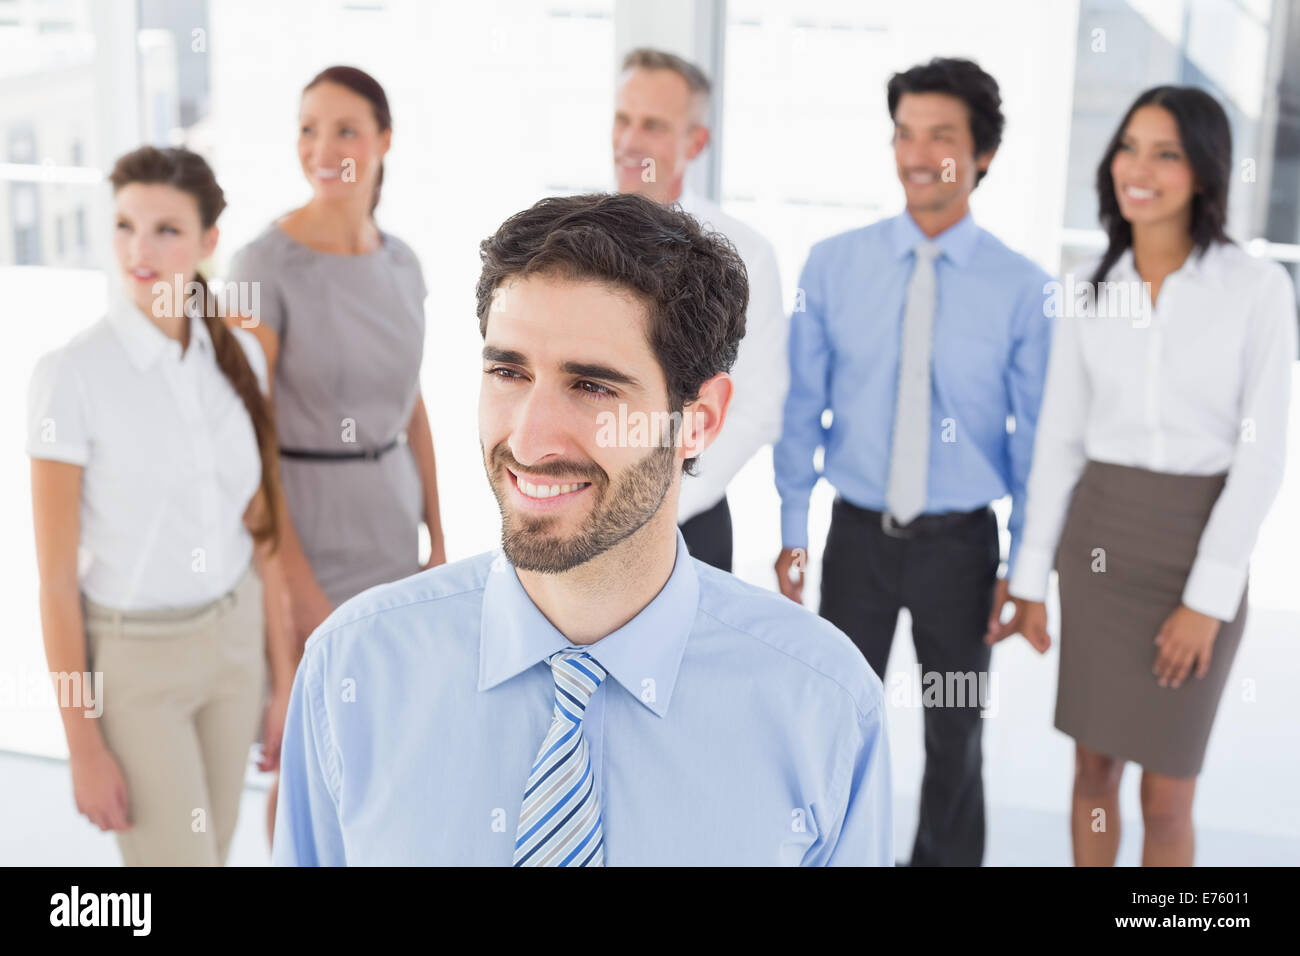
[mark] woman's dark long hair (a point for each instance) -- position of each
(188, 172)
(363, 84)
(1207, 141)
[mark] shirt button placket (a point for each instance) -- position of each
(199, 432)
(1155, 346)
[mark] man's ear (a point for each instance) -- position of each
(984, 160)
(702, 419)
(700, 136)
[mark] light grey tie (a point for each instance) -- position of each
(910, 453)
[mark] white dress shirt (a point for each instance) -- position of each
(1203, 389)
(761, 372)
(169, 455)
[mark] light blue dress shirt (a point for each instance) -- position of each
(992, 335)
(735, 727)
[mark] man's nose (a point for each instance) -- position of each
(912, 155)
(539, 428)
(628, 141)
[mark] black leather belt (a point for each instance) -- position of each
(920, 525)
(368, 454)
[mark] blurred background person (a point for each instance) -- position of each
(923, 334)
(342, 324)
(153, 452)
(1162, 444)
(661, 124)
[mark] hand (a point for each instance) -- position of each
(1030, 620)
(1186, 638)
(273, 730)
(99, 789)
(796, 558)
(997, 630)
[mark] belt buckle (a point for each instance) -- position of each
(891, 527)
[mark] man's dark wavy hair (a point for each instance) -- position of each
(965, 80)
(692, 281)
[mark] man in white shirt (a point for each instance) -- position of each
(660, 126)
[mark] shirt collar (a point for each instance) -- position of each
(690, 199)
(1123, 267)
(1196, 265)
(644, 655)
(957, 242)
(145, 342)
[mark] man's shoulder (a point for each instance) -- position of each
(395, 602)
(749, 242)
(798, 641)
(996, 257)
(861, 240)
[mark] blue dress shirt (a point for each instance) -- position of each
(735, 727)
(991, 339)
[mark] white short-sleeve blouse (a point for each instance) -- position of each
(169, 454)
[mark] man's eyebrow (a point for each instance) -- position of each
(933, 126)
(493, 354)
(588, 370)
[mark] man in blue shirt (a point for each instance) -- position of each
(589, 693)
(922, 335)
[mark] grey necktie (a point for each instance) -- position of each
(909, 455)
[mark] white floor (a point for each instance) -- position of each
(1016, 836)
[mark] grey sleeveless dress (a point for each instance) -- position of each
(351, 332)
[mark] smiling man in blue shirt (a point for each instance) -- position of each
(923, 335)
(588, 694)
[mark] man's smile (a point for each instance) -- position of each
(542, 495)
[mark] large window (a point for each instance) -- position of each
(806, 153)
(494, 105)
(1246, 54)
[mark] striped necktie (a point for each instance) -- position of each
(559, 822)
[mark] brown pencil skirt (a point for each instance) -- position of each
(1142, 527)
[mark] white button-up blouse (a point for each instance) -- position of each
(1198, 385)
(169, 454)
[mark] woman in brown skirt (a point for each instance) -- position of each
(1160, 448)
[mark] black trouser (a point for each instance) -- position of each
(708, 535)
(945, 578)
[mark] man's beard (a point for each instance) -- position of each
(620, 511)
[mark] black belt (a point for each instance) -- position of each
(369, 454)
(921, 524)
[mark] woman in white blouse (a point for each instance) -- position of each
(154, 496)
(1160, 448)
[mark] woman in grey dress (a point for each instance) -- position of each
(341, 319)
(1160, 447)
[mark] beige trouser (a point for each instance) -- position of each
(182, 700)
